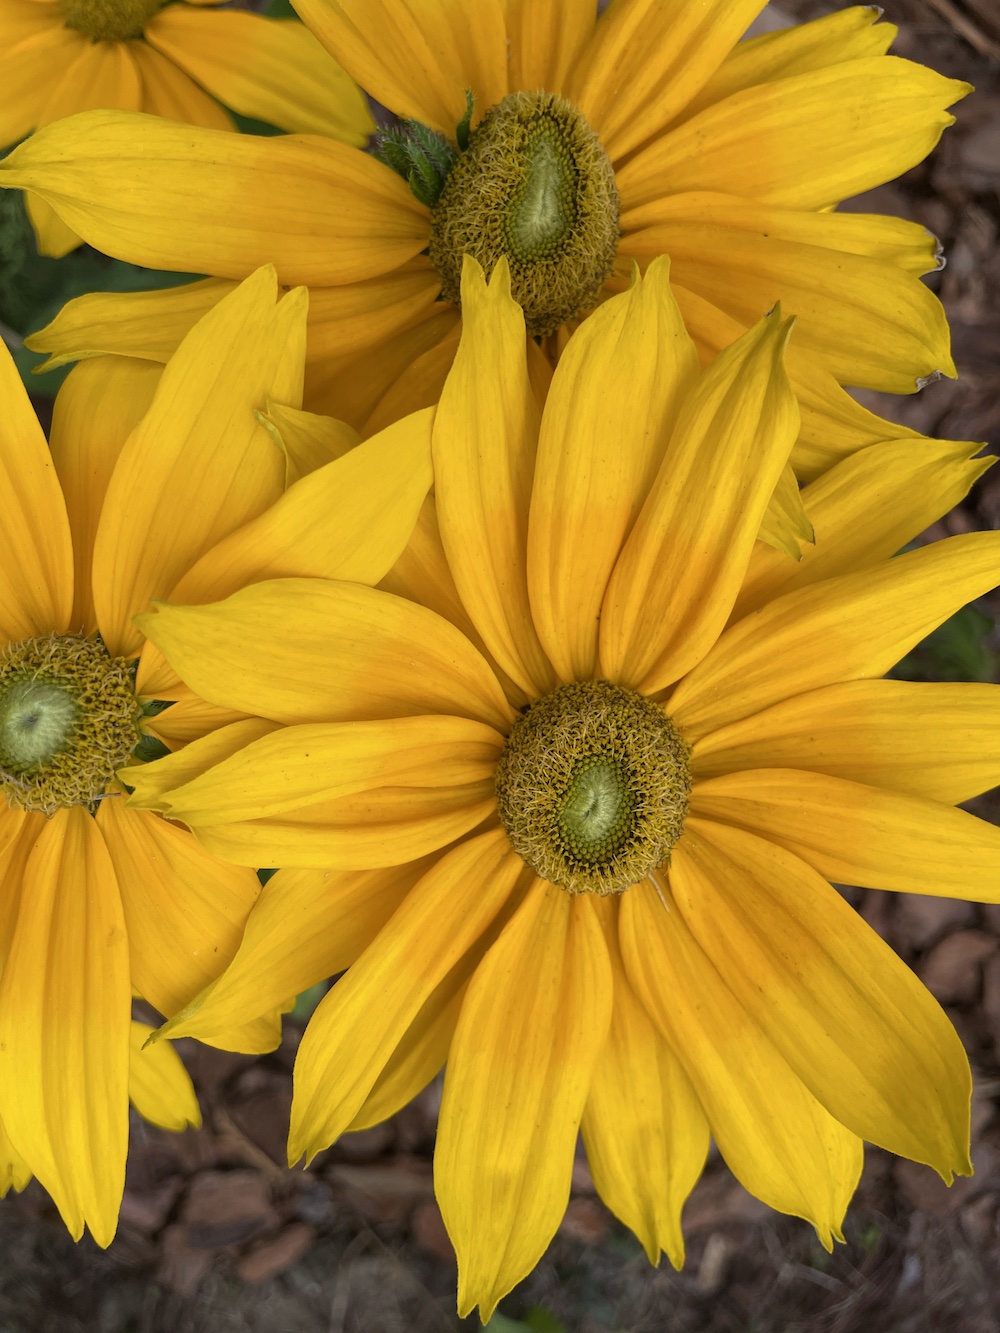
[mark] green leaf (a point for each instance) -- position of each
(308, 1000)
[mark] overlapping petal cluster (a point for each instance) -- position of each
(181, 61)
(606, 533)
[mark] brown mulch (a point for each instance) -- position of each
(217, 1234)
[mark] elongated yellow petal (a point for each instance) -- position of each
(613, 401)
(184, 910)
(151, 781)
(188, 718)
(645, 1132)
(776, 1137)
(348, 520)
(271, 69)
(40, 49)
(14, 1170)
(806, 141)
(936, 740)
(167, 91)
(857, 834)
(302, 765)
(339, 652)
(850, 34)
(440, 919)
(785, 526)
(867, 1039)
(485, 434)
(95, 411)
(646, 59)
(308, 925)
(65, 1004)
(199, 439)
(417, 57)
(842, 629)
(384, 826)
(545, 39)
(928, 478)
(876, 325)
(309, 441)
(150, 325)
(159, 1087)
(674, 584)
(36, 553)
(18, 833)
(204, 201)
(532, 1025)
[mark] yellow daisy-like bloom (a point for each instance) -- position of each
(62, 56)
(583, 767)
(595, 142)
(155, 482)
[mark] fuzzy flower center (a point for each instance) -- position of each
(536, 185)
(68, 720)
(109, 20)
(593, 787)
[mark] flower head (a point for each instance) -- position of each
(593, 142)
(58, 57)
(156, 481)
(564, 796)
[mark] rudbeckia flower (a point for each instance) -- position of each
(566, 793)
(173, 60)
(594, 142)
(155, 481)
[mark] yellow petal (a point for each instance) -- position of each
(337, 652)
(907, 483)
(936, 740)
(14, 1170)
(65, 1004)
(841, 629)
(151, 781)
(614, 398)
(533, 1022)
(307, 925)
(645, 1132)
(309, 441)
(866, 1038)
(851, 280)
(777, 1139)
(159, 1087)
(188, 718)
(806, 141)
(856, 834)
(36, 554)
(417, 57)
(850, 34)
(195, 200)
(52, 237)
(348, 520)
(674, 584)
(438, 922)
(167, 91)
(646, 59)
(303, 765)
(545, 38)
(184, 910)
(18, 833)
(95, 411)
(37, 49)
(199, 465)
(150, 325)
(785, 525)
(273, 70)
(485, 432)
(419, 384)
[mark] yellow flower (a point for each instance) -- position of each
(583, 767)
(174, 60)
(156, 482)
(727, 156)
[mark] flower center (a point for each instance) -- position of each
(109, 20)
(536, 185)
(593, 787)
(68, 720)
